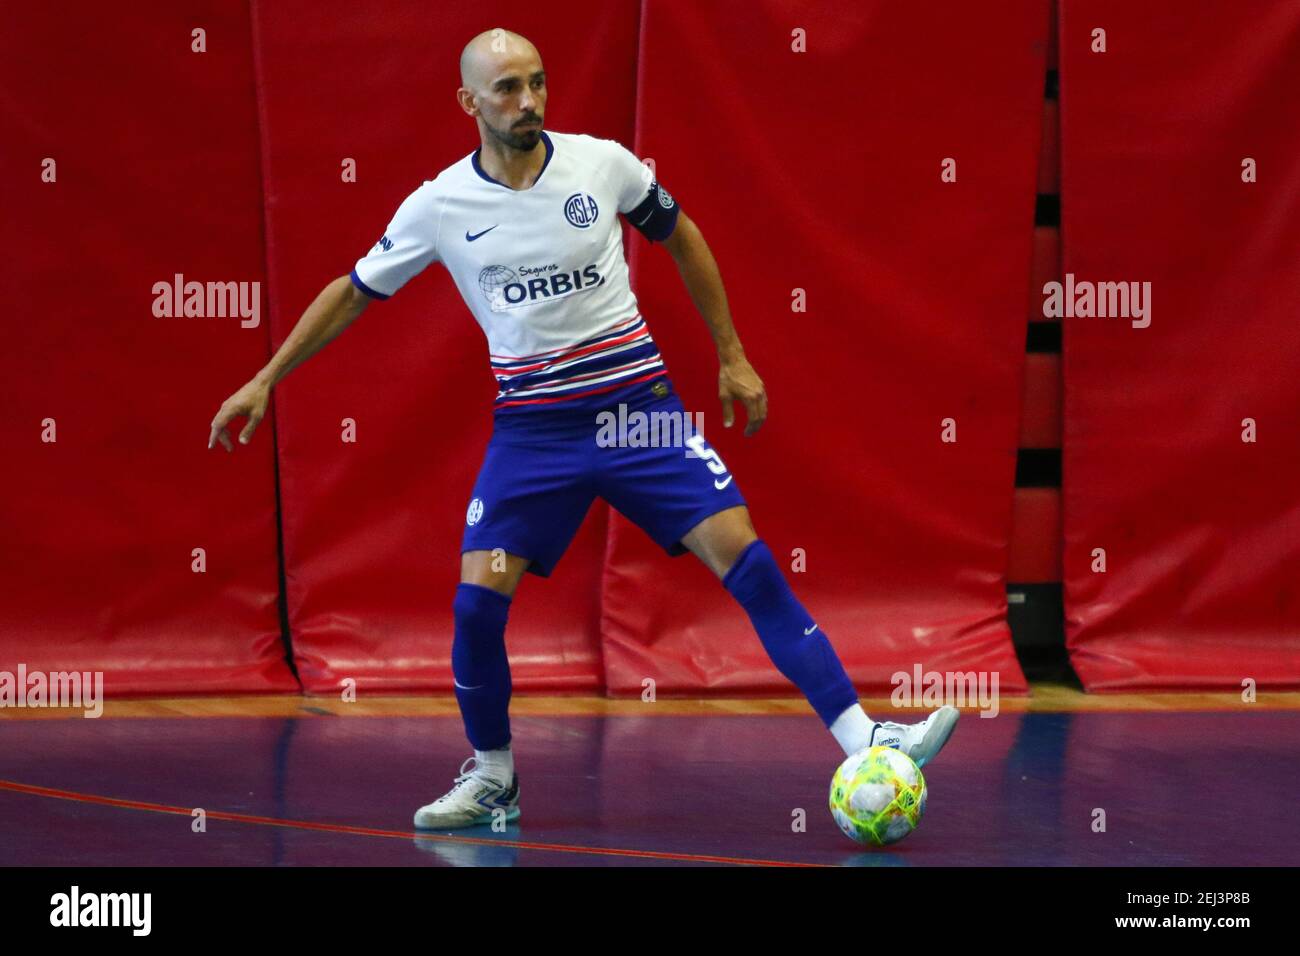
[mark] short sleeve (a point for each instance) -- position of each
(646, 204)
(408, 245)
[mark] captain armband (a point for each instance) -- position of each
(656, 216)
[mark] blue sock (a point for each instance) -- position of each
(807, 660)
(479, 665)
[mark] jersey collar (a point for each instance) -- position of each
(550, 151)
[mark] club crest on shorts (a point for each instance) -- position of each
(475, 512)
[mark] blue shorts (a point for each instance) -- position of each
(543, 470)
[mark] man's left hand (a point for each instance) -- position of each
(738, 382)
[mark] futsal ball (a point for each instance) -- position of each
(878, 796)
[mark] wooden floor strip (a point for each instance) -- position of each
(1046, 698)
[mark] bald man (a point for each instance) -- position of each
(527, 225)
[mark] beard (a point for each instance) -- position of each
(523, 140)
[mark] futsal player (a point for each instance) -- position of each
(528, 227)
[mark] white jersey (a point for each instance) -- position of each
(542, 269)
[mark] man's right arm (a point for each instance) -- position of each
(338, 304)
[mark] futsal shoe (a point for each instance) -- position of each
(921, 741)
(473, 800)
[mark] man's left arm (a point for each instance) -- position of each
(737, 380)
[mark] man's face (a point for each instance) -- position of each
(514, 104)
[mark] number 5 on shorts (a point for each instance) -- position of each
(711, 458)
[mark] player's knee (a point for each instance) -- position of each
(478, 647)
(476, 607)
(495, 570)
(727, 559)
(721, 539)
(757, 582)
(730, 550)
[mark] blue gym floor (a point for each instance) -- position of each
(1177, 789)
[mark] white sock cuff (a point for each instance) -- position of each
(852, 729)
(498, 764)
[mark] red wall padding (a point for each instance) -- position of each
(1201, 530)
(1040, 417)
(372, 529)
(1049, 161)
(821, 171)
(157, 174)
(827, 180)
(1046, 267)
(1035, 547)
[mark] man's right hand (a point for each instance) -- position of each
(251, 400)
(338, 304)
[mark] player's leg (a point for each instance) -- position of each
(495, 570)
(479, 665)
(481, 675)
(727, 543)
(683, 495)
(527, 504)
(685, 498)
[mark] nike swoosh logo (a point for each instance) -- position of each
(469, 238)
(809, 630)
(463, 687)
(723, 484)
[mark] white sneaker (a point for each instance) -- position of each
(473, 800)
(920, 741)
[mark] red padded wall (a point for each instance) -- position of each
(816, 170)
(821, 171)
(157, 174)
(1201, 530)
(372, 529)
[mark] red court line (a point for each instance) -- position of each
(98, 800)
